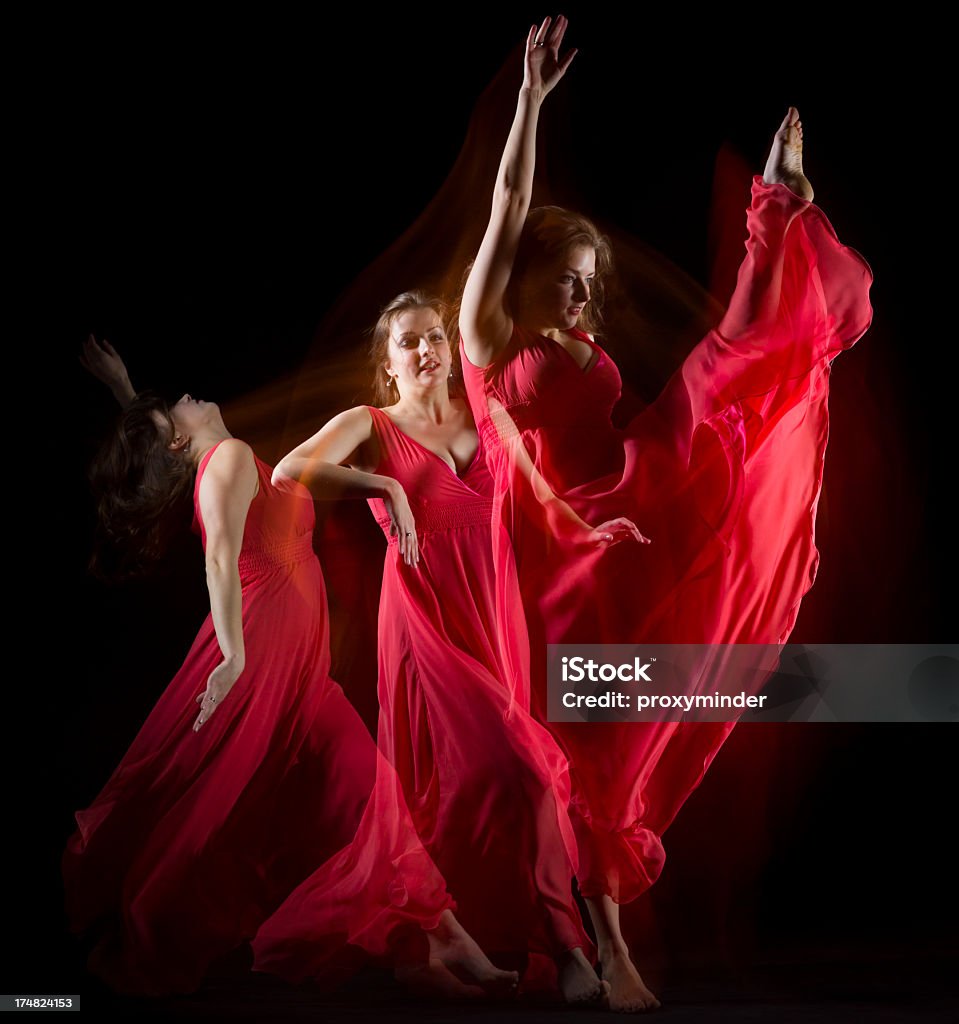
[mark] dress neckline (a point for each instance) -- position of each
(437, 456)
(593, 360)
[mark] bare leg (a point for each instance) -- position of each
(627, 991)
(462, 957)
(784, 164)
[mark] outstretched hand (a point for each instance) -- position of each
(102, 360)
(543, 66)
(616, 530)
(570, 528)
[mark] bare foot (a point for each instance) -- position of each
(578, 981)
(785, 157)
(433, 979)
(459, 953)
(628, 993)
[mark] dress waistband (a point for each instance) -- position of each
(277, 556)
(438, 518)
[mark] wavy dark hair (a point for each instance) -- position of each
(141, 490)
(383, 393)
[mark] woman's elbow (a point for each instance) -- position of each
(221, 564)
(282, 474)
(511, 200)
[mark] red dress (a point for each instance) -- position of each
(197, 837)
(722, 472)
(486, 786)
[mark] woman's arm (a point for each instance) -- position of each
(484, 323)
(102, 360)
(318, 465)
(226, 491)
(561, 519)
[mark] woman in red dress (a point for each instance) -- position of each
(217, 811)
(486, 785)
(722, 472)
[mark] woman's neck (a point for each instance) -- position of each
(435, 407)
(544, 329)
(204, 440)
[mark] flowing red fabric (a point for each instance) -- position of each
(487, 787)
(723, 472)
(198, 836)
(329, 925)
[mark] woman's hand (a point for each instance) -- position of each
(543, 67)
(402, 524)
(569, 527)
(218, 686)
(102, 360)
(615, 530)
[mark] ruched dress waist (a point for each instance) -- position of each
(283, 554)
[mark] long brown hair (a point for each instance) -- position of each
(140, 487)
(551, 231)
(383, 392)
(547, 232)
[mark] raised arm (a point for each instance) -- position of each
(226, 490)
(103, 361)
(484, 322)
(318, 464)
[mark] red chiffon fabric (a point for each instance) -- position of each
(723, 472)
(198, 836)
(374, 900)
(486, 786)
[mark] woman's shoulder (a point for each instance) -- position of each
(359, 413)
(228, 462)
(358, 428)
(515, 335)
(229, 454)
(359, 418)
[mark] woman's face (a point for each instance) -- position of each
(189, 416)
(556, 292)
(419, 354)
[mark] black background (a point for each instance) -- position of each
(202, 194)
